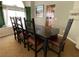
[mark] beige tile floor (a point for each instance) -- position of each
(9, 47)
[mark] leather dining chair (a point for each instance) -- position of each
(57, 45)
(34, 42)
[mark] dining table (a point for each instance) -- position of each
(45, 33)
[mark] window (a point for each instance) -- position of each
(17, 3)
(13, 8)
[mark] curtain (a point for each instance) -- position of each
(1, 15)
(28, 14)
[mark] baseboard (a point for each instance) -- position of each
(5, 31)
(6, 35)
(68, 39)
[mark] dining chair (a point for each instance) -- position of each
(13, 21)
(20, 30)
(33, 41)
(57, 45)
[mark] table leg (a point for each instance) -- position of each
(45, 47)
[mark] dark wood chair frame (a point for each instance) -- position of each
(62, 43)
(32, 22)
(20, 30)
(13, 21)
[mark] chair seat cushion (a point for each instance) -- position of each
(23, 36)
(31, 40)
(53, 38)
(56, 42)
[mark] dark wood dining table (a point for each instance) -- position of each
(45, 34)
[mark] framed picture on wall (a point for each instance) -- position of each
(39, 11)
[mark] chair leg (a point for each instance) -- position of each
(28, 46)
(19, 40)
(59, 54)
(45, 48)
(63, 48)
(35, 53)
(15, 36)
(24, 43)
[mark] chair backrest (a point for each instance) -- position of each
(67, 30)
(25, 23)
(13, 21)
(31, 28)
(34, 31)
(19, 25)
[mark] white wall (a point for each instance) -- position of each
(62, 13)
(27, 3)
(74, 33)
